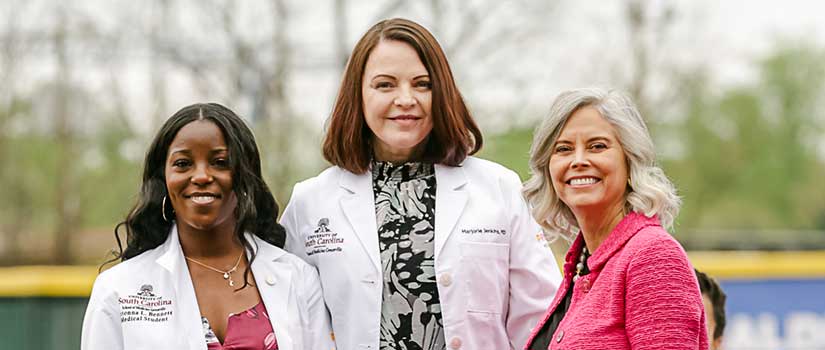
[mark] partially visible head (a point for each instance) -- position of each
(216, 137)
(648, 192)
(451, 135)
(714, 299)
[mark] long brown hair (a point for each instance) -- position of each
(455, 135)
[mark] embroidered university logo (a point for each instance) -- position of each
(323, 240)
(323, 225)
(146, 290)
(145, 306)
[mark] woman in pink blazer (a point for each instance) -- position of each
(627, 282)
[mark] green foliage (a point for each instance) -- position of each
(102, 181)
(750, 159)
(511, 149)
(108, 190)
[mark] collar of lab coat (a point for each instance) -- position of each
(358, 205)
(271, 278)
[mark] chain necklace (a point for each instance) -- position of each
(227, 275)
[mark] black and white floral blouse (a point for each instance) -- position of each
(405, 217)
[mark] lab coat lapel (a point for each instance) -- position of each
(189, 317)
(273, 279)
(451, 199)
(358, 205)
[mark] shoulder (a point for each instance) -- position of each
(129, 268)
(489, 171)
(493, 168)
(307, 190)
(655, 255)
(653, 239)
(111, 282)
(329, 177)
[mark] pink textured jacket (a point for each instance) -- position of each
(641, 293)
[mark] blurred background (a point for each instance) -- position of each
(732, 91)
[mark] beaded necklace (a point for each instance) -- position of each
(581, 266)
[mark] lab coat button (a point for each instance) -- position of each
(270, 280)
(455, 343)
(446, 280)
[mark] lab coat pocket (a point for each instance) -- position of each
(485, 274)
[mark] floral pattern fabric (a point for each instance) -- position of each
(405, 214)
(247, 330)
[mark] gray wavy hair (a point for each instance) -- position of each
(651, 192)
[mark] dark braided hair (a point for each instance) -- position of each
(256, 212)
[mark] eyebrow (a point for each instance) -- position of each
(594, 138)
(187, 151)
(388, 76)
(383, 76)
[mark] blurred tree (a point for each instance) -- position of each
(16, 207)
(750, 156)
(66, 204)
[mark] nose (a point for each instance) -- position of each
(405, 98)
(579, 159)
(201, 175)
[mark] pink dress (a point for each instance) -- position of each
(248, 330)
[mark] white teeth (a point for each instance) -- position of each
(203, 199)
(583, 181)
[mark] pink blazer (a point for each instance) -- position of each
(641, 293)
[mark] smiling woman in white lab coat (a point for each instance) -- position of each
(202, 268)
(418, 244)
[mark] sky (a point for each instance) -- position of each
(578, 44)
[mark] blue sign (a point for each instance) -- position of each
(783, 314)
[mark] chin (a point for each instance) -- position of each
(405, 143)
(201, 224)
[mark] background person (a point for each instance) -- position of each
(418, 244)
(714, 300)
(627, 282)
(202, 266)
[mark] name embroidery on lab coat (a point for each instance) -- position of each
(145, 306)
(323, 240)
(484, 231)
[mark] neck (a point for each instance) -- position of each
(218, 243)
(399, 156)
(596, 225)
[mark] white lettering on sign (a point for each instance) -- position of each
(800, 330)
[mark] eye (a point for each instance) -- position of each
(562, 149)
(598, 146)
(383, 85)
(424, 84)
(221, 162)
(181, 163)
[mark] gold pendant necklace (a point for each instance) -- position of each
(227, 275)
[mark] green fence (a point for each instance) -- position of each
(41, 322)
(41, 307)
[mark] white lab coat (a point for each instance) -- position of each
(148, 302)
(495, 274)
